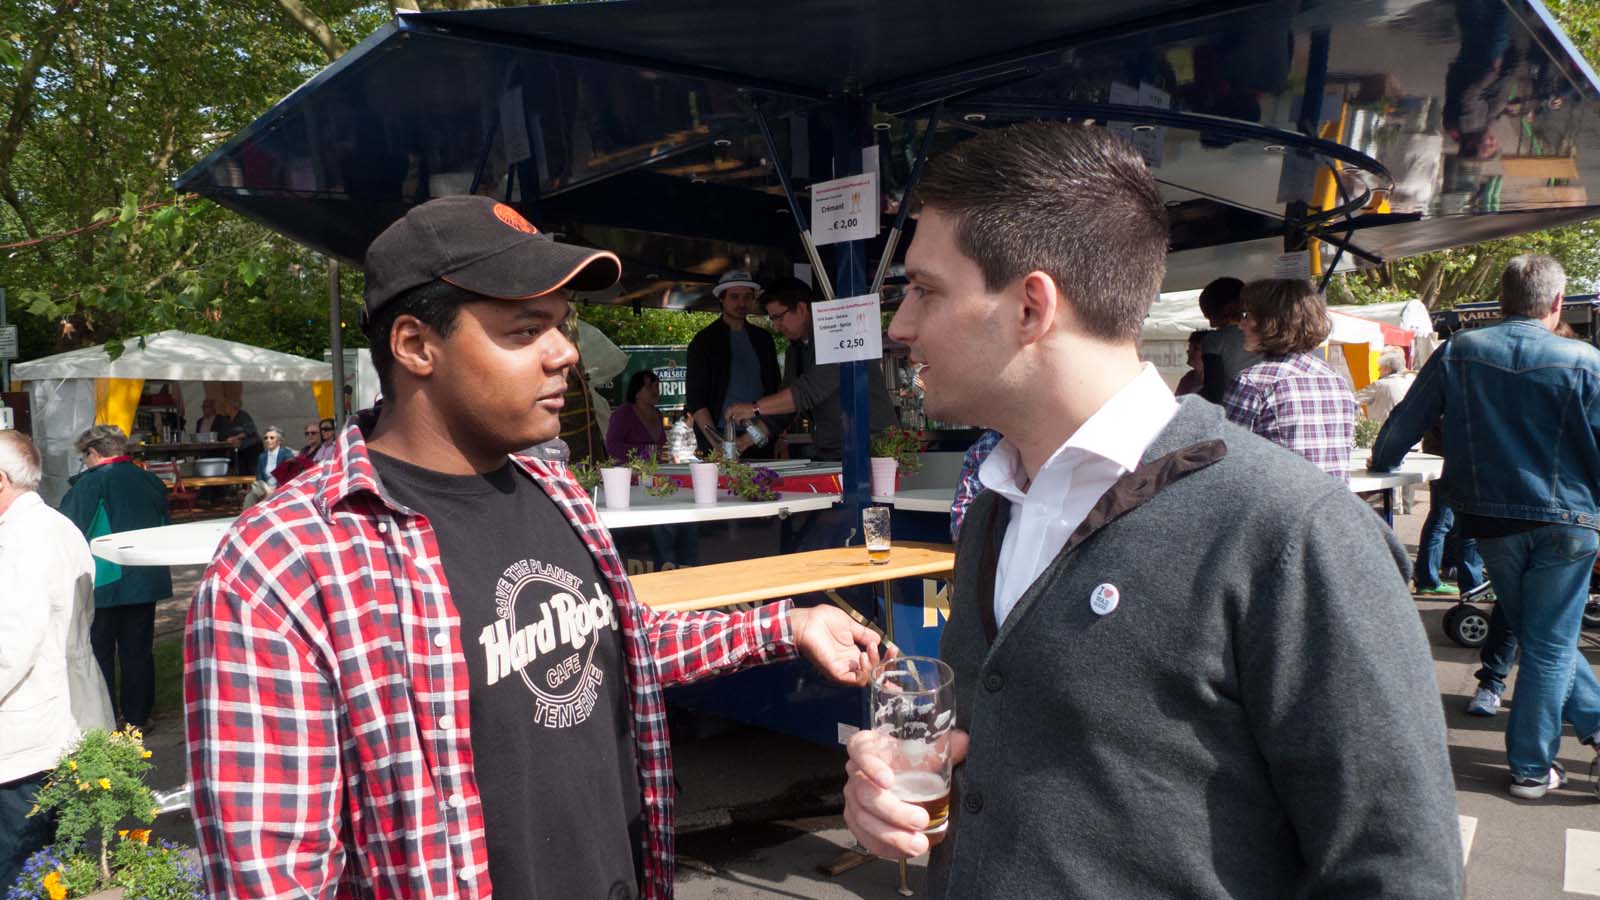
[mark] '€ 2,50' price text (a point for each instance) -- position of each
(852, 343)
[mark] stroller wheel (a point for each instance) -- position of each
(1591, 613)
(1466, 625)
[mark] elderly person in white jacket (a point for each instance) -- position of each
(51, 690)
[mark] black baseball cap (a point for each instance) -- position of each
(479, 245)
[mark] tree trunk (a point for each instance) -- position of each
(22, 109)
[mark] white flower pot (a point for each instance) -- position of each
(883, 472)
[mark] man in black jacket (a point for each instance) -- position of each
(1222, 352)
(730, 361)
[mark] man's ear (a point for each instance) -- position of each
(413, 346)
(1041, 302)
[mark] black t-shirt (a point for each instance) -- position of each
(552, 734)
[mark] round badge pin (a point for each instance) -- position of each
(1104, 599)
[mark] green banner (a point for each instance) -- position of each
(667, 361)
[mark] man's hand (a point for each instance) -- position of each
(739, 412)
(886, 825)
(840, 647)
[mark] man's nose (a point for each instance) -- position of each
(900, 326)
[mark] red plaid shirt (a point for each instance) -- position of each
(326, 693)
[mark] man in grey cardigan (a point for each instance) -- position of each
(1147, 709)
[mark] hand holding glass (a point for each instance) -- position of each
(913, 712)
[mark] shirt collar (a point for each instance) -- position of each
(1120, 431)
(24, 502)
(351, 470)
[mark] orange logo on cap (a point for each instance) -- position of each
(514, 219)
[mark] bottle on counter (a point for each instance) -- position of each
(730, 443)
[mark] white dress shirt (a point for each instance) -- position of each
(51, 688)
(1106, 447)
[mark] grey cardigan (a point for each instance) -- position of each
(1257, 717)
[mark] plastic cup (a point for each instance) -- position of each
(704, 478)
(615, 480)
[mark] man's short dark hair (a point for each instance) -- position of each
(788, 293)
(436, 304)
(1289, 315)
(1073, 201)
(637, 382)
(1219, 300)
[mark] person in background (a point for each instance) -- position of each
(1223, 353)
(209, 421)
(730, 361)
(807, 386)
(635, 427)
(968, 485)
(273, 455)
(1105, 746)
(242, 434)
(1380, 397)
(114, 494)
(327, 441)
(51, 691)
(313, 441)
(1442, 532)
(1194, 379)
(1520, 411)
(1292, 397)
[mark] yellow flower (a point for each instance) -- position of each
(105, 784)
(155, 811)
(145, 754)
(122, 832)
(72, 764)
(52, 884)
(83, 785)
(142, 835)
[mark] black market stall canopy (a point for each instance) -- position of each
(1347, 132)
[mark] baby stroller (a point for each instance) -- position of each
(1468, 625)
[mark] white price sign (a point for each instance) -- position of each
(845, 209)
(8, 342)
(847, 329)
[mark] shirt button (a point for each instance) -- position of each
(441, 640)
(973, 802)
(464, 875)
(993, 682)
(447, 722)
(456, 802)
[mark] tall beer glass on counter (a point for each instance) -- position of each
(913, 711)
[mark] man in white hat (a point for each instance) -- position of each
(730, 360)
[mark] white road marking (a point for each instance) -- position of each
(1469, 827)
(1583, 863)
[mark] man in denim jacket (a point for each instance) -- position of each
(1521, 410)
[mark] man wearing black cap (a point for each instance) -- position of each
(419, 670)
(730, 361)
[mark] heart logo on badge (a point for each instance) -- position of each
(1104, 599)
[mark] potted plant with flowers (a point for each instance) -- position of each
(895, 451)
(96, 787)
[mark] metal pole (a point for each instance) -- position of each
(893, 243)
(819, 273)
(336, 340)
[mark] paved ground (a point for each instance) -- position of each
(760, 812)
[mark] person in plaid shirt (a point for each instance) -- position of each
(1291, 397)
(419, 670)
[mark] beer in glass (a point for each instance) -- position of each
(913, 711)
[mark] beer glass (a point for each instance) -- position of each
(913, 710)
(875, 527)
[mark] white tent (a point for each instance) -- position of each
(277, 388)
